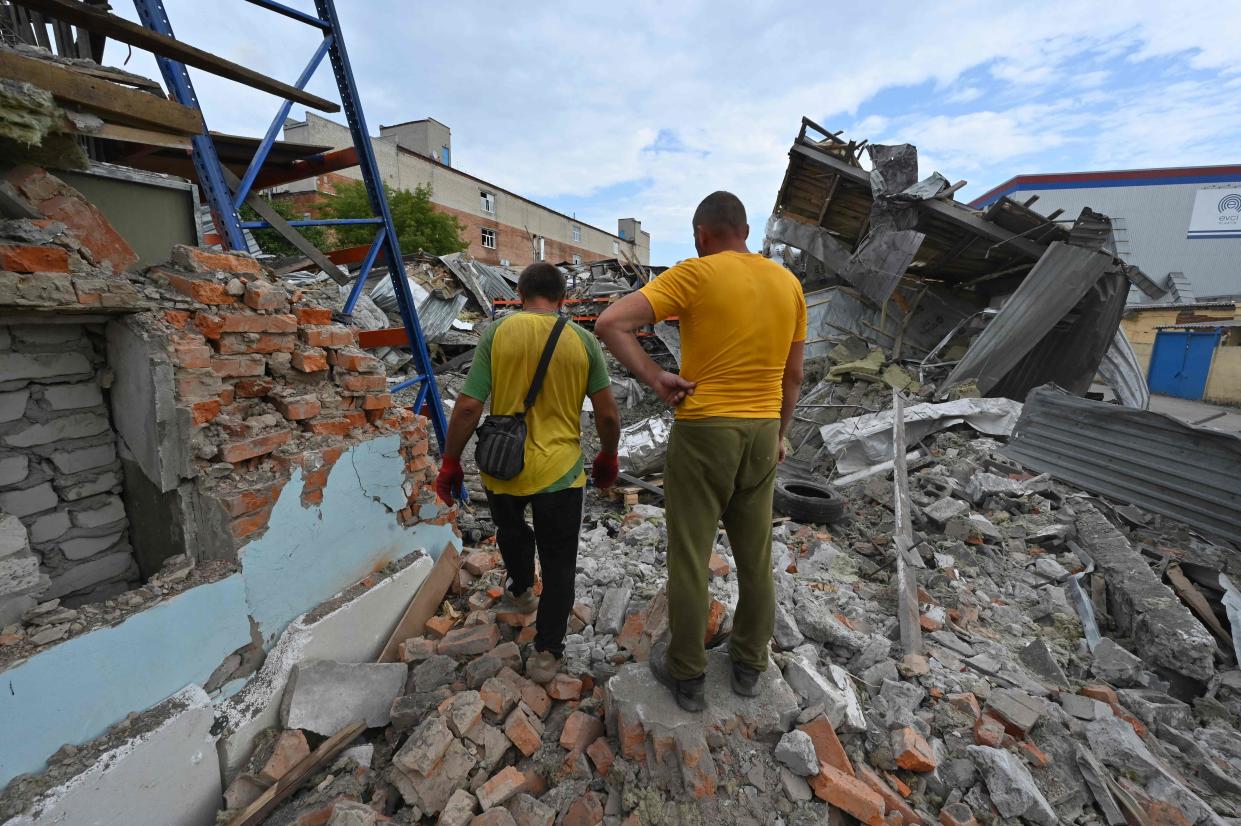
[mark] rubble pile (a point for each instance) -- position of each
(1009, 714)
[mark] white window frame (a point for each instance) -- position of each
(577, 233)
(577, 259)
(615, 247)
(488, 200)
(487, 231)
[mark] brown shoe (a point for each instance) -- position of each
(542, 667)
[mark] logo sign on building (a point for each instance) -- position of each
(1216, 213)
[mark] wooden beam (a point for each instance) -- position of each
(333, 161)
(292, 780)
(116, 103)
(903, 535)
(124, 31)
(150, 138)
(425, 602)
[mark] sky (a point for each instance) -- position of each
(604, 111)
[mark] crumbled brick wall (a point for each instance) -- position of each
(59, 471)
(270, 383)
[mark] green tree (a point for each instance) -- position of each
(418, 225)
(274, 243)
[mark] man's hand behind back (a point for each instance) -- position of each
(672, 388)
(449, 479)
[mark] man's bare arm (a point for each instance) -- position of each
(607, 419)
(465, 415)
(616, 327)
(790, 384)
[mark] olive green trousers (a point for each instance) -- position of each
(720, 469)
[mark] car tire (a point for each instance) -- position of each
(806, 501)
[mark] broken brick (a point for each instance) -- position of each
(718, 566)
(263, 295)
(988, 731)
(251, 323)
(17, 258)
(439, 625)
(500, 788)
(355, 360)
(205, 411)
(600, 754)
(580, 730)
(309, 360)
(332, 335)
(536, 698)
(315, 316)
(291, 746)
(200, 260)
(892, 802)
(844, 791)
(587, 810)
(912, 751)
(249, 448)
(469, 642)
(203, 290)
(295, 408)
(523, 732)
(967, 703)
(827, 746)
(233, 343)
(564, 687)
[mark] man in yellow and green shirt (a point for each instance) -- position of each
(743, 331)
(552, 479)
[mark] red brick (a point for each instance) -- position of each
(892, 802)
(912, 751)
(361, 382)
(295, 408)
(354, 360)
(480, 562)
(246, 525)
(957, 814)
(248, 501)
(469, 642)
(827, 746)
(253, 388)
(1034, 754)
(264, 295)
(231, 343)
(177, 318)
(291, 746)
(1102, 693)
(438, 626)
(715, 618)
(311, 360)
(205, 290)
(317, 316)
(191, 354)
(332, 335)
(580, 730)
(196, 385)
(988, 731)
(356, 418)
(52, 198)
(718, 565)
(329, 427)
(631, 737)
(257, 446)
(200, 260)
(523, 732)
(967, 703)
(205, 411)
(600, 754)
(500, 788)
(564, 687)
(377, 402)
(844, 791)
(238, 365)
(245, 322)
(15, 258)
(209, 325)
(534, 696)
(587, 810)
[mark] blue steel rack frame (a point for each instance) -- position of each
(225, 204)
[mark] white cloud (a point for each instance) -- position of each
(565, 100)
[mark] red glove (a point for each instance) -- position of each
(449, 480)
(605, 470)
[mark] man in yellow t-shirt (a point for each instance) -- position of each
(743, 330)
(552, 479)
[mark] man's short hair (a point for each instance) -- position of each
(721, 211)
(541, 280)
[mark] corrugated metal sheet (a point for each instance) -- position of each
(1121, 371)
(1137, 456)
(1149, 224)
(1058, 281)
(834, 313)
(436, 315)
(485, 282)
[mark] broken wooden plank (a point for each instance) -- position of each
(424, 604)
(116, 103)
(124, 31)
(1191, 596)
(903, 535)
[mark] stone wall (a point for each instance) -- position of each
(59, 472)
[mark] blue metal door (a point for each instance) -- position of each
(1181, 361)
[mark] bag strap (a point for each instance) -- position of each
(544, 362)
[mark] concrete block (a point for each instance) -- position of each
(815, 689)
(109, 510)
(13, 536)
(13, 469)
(102, 567)
(17, 366)
(49, 526)
(612, 610)
(164, 775)
(87, 546)
(325, 696)
(85, 458)
(796, 750)
(13, 405)
(47, 333)
(144, 404)
(72, 426)
(18, 573)
(73, 691)
(355, 630)
(71, 396)
(30, 500)
(77, 489)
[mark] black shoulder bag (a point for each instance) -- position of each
(501, 448)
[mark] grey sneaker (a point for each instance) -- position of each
(542, 666)
(523, 603)
(689, 694)
(745, 680)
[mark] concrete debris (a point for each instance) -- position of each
(1011, 787)
(325, 696)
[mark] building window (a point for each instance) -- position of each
(489, 238)
(616, 247)
(489, 201)
(577, 233)
(445, 156)
(503, 262)
(577, 259)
